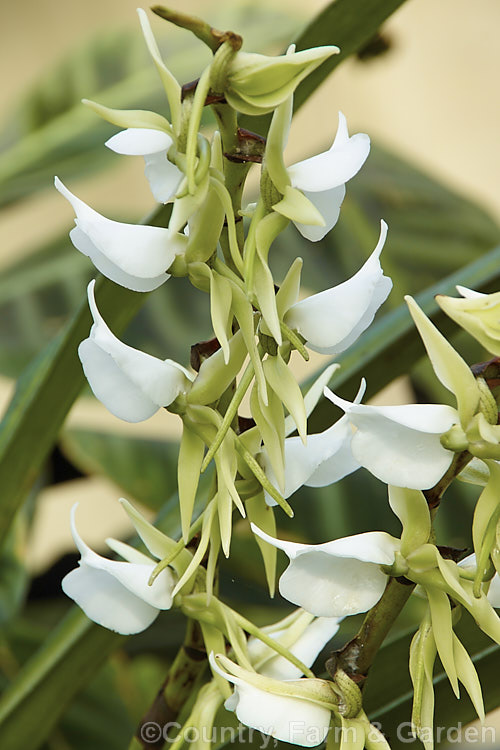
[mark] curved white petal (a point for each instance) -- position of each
(332, 320)
(131, 384)
(332, 586)
(338, 578)
(139, 142)
(335, 166)
(133, 577)
(306, 648)
(106, 602)
(341, 462)
(401, 445)
(141, 254)
(328, 203)
(285, 717)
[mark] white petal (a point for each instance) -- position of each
(132, 576)
(332, 320)
(163, 176)
(105, 601)
(142, 252)
(109, 269)
(139, 142)
(334, 167)
(332, 586)
(400, 445)
(130, 383)
(112, 387)
(328, 203)
(341, 462)
(286, 718)
(306, 648)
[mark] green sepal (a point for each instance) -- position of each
(271, 424)
(283, 383)
(130, 118)
(158, 543)
(215, 376)
(442, 627)
(214, 643)
(277, 138)
(478, 316)
(484, 524)
(262, 515)
(225, 514)
(170, 84)
(468, 676)
(191, 451)
(411, 508)
(186, 581)
(288, 293)
(421, 665)
(205, 226)
(262, 279)
(244, 314)
(187, 204)
(476, 472)
(213, 557)
(453, 372)
(221, 298)
(296, 207)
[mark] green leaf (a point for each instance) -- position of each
(348, 24)
(146, 470)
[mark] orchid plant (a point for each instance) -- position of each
(223, 245)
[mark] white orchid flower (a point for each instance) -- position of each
(332, 320)
(134, 256)
(131, 384)
(116, 594)
(493, 595)
(163, 176)
(337, 578)
(400, 445)
(302, 634)
(322, 178)
(295, 711)
(326, 457)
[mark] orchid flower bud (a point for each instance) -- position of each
(134, 256)
(116, 594)
(337, 578)
(477, 313)
(257, 84)
(131, 384)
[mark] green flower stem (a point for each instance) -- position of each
(259, 474)
(183, 675)
(181, 544)
(434, 495)
(294, 339)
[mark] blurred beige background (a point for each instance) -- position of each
(433, 99)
